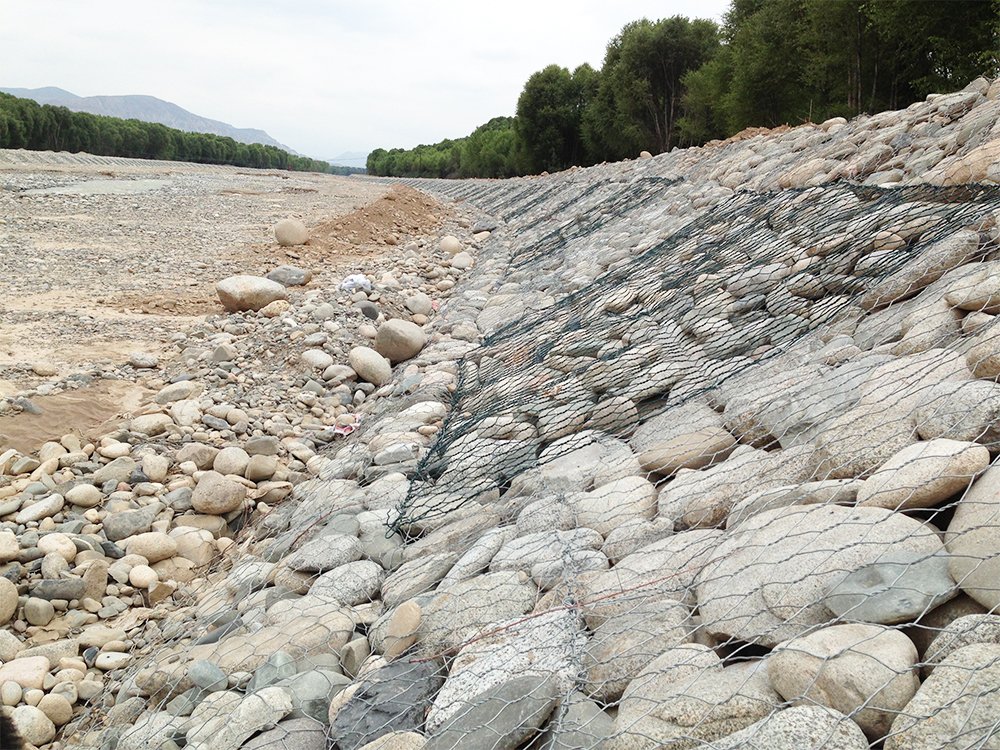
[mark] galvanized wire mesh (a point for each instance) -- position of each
(730, 488)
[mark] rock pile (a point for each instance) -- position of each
(697, 454)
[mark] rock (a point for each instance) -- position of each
(465, 608)
(216, 495)
(44, 508)
(798, 728)
(958, 703)
(924, 474)
(37, 611)
(275, 309)
(923, 269)
(84, 495)
(59, 588)
(290, 232)
(898, 587)
(256, 712)
(10, 646)
(401, 630)
(231, 460)
(542, 646)
(419, 304)
(153, 545)
(290, 275)
(325, 553)
(685, 699)
(290, 734)
(609, 506)
(370, 365)
(961, 632)
(398, 340)
(151, 424)
(393, 698)
(184, 389)
(415, 577)
(26, 671)
(685, 437)
(577, 722)
(450, 244)
(462, 261)
(56, 708)
(350, 584)
(238, 293)
(501, 717)
(9, 547)
(142, 577)
(122, 525)
(622, 646)
(964, 410)
(864, 671)
(973, 540)
(8, 600)
(316, 359)
(766, 580)
(397, 741)
(665, 569)
(33, 725)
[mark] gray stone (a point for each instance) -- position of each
(350, 584)
(59, 588)
(312, 692)
(325, 553)
(577, 723)
(501, 717)
(207, 676)
(963, 410)
(290, 734)
(290, 275)
(898, 587)
(119, 526)
(393, 698)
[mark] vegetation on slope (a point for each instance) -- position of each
(41, 127)
(678, 82)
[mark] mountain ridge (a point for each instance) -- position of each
(147, 109)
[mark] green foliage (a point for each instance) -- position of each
(679, 82)
(26, 124)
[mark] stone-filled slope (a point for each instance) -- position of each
(713, 469)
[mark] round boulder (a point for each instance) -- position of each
(398, 340)
(290, 232)
(216, 495)
(450, 244)
(244, 292)
(370, 365)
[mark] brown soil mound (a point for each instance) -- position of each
(398, 215)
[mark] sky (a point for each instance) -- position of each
(323, 77)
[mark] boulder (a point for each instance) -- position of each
(864, 671)
(240, 293)
(399, 340)
(290, 232)
(370, 365)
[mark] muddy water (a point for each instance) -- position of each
(87, 412)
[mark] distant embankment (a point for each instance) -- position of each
(40, 127)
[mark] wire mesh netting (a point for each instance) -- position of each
(681, 468)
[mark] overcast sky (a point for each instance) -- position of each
(324, 77)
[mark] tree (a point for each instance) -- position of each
(548, 120)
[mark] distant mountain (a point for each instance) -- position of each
(350, 159)
(147, 109)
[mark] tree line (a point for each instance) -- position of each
(24, 123)
(681, 82)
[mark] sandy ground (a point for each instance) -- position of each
(100, 258)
